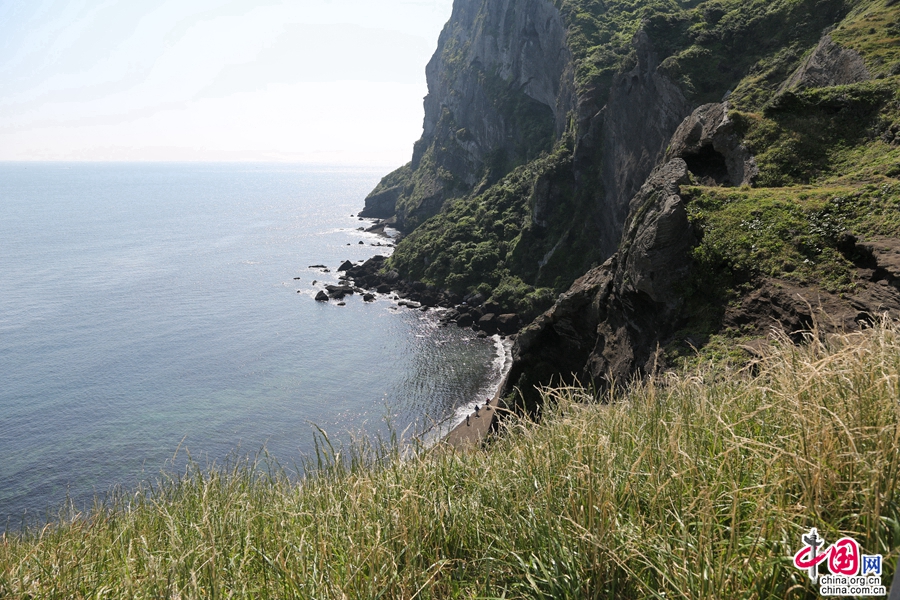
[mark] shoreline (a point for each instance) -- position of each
(473, 427)
(364, 279)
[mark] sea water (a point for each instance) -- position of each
(150, 307)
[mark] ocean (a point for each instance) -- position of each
(151, 307)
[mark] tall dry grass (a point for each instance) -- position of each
(690, 486)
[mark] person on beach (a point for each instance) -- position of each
(467, 420)
(476, 411)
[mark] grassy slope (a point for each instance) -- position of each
(829, 164)
(694, 486)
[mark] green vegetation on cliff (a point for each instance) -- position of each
(707, 47)
(690, 486)
(823, 135)
(829, 161)
(497, 244)
(710, 49)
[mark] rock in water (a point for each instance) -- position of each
(321, 296)
(339, 291)
(465, 320)
(346, 265)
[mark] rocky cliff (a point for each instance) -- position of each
(500, 90)
(701, 171)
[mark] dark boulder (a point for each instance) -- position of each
(465, 320)
(345, 266)
(488, 323)
(321, 296)
(508, 323)
(369, 297)
(475, 299)
(491, 307)
(339, 291)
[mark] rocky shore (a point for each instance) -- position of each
(371, 277)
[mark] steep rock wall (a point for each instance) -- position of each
(607, 326)
(628, 137)
(500, 88)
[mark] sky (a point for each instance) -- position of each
(313, 81)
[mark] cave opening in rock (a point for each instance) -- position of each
(708, 166)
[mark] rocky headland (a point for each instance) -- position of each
(627, 190)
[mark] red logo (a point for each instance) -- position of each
(843, 556)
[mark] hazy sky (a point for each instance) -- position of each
(331, 81)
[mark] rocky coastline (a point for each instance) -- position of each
(371, 277)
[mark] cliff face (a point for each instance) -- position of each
(606, 327)
(729, 166)
(643, 110)
(500, 88)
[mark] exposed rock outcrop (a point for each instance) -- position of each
(712, 149)
(828, 65)
(608, 325)
(643, 111)
(500, 87)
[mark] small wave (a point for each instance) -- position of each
(500, 366)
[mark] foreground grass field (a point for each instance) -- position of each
(692, 486)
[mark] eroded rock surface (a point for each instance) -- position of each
(828, 65)
(607, 326)
(502, 69)
(644, 109)
(712, 149)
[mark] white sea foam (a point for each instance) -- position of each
(500, 366)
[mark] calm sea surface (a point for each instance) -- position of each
(146, 304)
